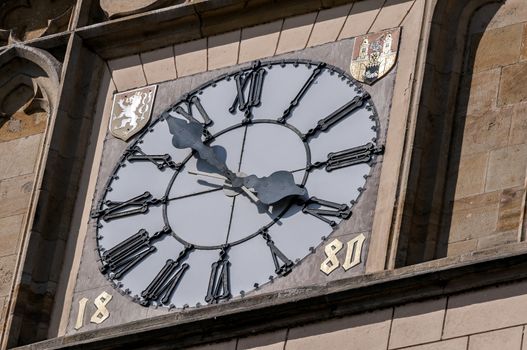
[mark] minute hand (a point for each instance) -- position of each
(338, 115)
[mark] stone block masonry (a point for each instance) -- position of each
(489, 194)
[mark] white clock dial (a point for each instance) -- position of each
(236, 182)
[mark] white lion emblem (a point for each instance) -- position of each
(131, 112)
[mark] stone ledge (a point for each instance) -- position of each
(126, 36)
(294, 307)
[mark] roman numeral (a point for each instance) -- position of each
(135, 154)
(294, 103)
(281, 263)
(219, 282)
(136, 205)
(352, 156)
(342, 211)
(166, 281)
(187, 114)
(121, 258)
(253, 82)
(338, 115)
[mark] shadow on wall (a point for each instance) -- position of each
(447, 92)
(463, 178)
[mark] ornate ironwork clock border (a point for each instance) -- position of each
(162, 161)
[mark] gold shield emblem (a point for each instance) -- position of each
(374, 55)
(131, 111)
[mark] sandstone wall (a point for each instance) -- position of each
(488, 163)
(488, 319)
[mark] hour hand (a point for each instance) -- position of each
(188, 135)
(275, 187)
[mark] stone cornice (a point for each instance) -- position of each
(294, 307)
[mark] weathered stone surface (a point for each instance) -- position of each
(7, 267)
(295, 33)
(496, 48)
(483, 92)
(19, 186)
(523, 49)
(486, 309)
(471, 175)
(388, 186)
(259, 42)
(366, 331)
(159, 65)
(14, 206)
(268, 341)
(486, 132)
(462, 247)
(512, 88)
(510, 209)
(328, 25)
(504, 339)
(510, 12)
(127, 72)
(120, 307)
(518, 133)
(34, 19)
(506, 168)
(18, 157)
(361, 18)
(230, 345)
(22, 124)
(223, 50)
(191, 57)
(10, 229)
(452, 344)
(474, 217)
(417, 323)
(391, 15)
(498, 239)
(116, 8)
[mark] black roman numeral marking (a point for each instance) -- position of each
(187, 114)
(118, 260)
(338, 115)
(294, 103)
(342, 211)
(135, 154)
(281, 263)
(352, 156)
(165, 283)
(219, 283)
(167, 280)
(253, 82)
(136, 205)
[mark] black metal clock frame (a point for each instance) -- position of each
(116, 261)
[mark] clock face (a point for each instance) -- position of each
(236, 183)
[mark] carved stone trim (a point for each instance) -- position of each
(296, 307)
(47, 86)
(119, 8)
(34, 19)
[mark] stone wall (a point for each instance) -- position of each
(28, 83)
(486, 319)
(252, 43)
(482, 203)
(16, 182)
(489, 149)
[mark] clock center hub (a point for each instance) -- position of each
(230, 190)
